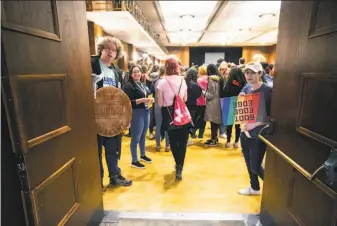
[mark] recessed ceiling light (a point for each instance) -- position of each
(267, 15)
(187, 17)
(245, 29)
(185, 30)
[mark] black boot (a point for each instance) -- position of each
(192, 132)
(179, 171)
(119, 180)
(201, 133)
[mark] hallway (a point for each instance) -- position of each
(211, 179)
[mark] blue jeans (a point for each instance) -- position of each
(222, 128)
(158, 116)
(139, 126)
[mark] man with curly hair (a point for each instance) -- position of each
(105, 74)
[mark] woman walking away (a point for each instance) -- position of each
(138, 94)
(236, 81)
(157, 113)
(173, 84)
(193, 93)
(213, 108)
(201, 101)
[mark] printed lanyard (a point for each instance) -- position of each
(142, 88)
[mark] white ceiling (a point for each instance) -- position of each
(235, 23)
(124, 26)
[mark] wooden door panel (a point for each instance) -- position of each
(51, 206)
(43, 105)
(48, 70)
(35, 18)
(319, 91)
(304, 107)
(323, 19)
(274, 204)
(320, 204)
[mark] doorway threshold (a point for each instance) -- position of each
(129, 218)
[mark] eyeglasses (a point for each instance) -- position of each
(111, 50)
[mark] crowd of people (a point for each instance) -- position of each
(152, 90)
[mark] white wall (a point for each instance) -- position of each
(211, 58)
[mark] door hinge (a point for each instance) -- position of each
(21, 167)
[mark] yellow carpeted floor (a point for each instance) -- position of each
(211, 179)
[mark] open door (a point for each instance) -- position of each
(47, 92)
(304, 106)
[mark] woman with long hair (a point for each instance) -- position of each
(173, 84)
(236, 81)
(138, 94)
(213, 107)
(193, 93)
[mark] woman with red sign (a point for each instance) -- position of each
(236, 81)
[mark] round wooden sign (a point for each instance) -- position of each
(113, 111)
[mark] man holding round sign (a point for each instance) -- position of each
(112, 107)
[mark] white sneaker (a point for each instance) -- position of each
(228, 145)
(151, 136)
(236, 145)
(190, 142)
(249, 191)
(223, 135)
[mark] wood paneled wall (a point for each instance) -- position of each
(183, 53)
(269, 52)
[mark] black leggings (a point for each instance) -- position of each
(237, 133)
(178, 143)
(253, 151)
(152, 120)
(214, 130)
(200, 122)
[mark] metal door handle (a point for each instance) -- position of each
(330, 166)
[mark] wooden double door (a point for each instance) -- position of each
(304, 107)
(48, 108)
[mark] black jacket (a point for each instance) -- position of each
(193, 93)
(96, 69)
(134, 92)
